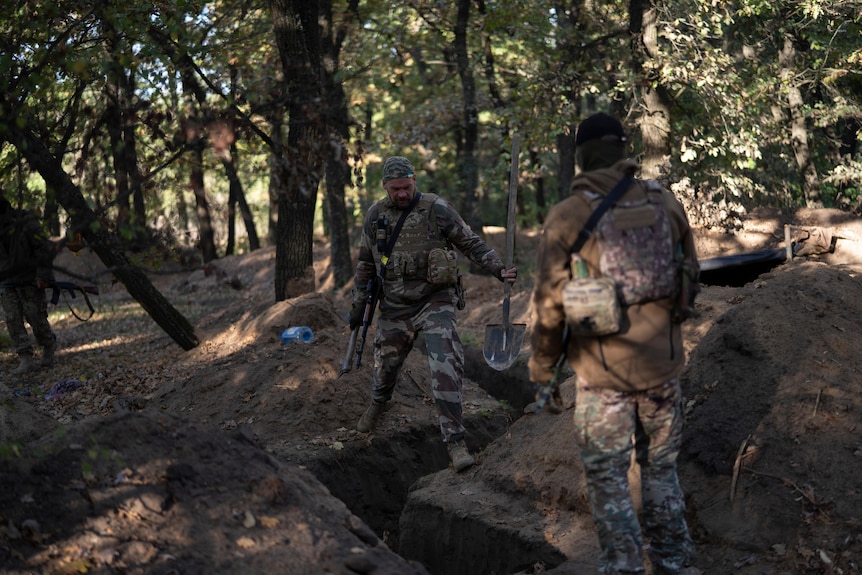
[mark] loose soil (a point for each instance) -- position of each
(239, 456)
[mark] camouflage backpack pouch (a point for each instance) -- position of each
(637, 252)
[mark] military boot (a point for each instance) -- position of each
(25, 365)
(461, 458)
(48, 355)
(370, 417)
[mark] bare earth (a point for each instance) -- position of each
(240, 455)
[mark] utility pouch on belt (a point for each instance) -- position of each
(591, 305)
(442, 267)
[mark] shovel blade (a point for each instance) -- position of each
(503, 344)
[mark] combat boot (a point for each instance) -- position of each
(25, 365)
(48, 355)
(461, 458)
(370, 417)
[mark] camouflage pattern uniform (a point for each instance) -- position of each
(606, 421)
(628, 394)
(409, 303)
(26, 254)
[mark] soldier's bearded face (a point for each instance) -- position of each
(400, 191)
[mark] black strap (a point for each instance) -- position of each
(615, 194)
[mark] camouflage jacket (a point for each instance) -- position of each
(26, 251)
(432, 223)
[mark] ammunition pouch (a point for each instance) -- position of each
(442, 267)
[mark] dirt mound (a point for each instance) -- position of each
(169, 448)
(134, 494)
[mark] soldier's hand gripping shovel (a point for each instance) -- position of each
(503, 341)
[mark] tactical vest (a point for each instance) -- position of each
(419, 235)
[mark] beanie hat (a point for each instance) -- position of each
(598, 126)
(397, 167)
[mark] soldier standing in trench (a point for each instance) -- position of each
(413, 234)
(628, 393)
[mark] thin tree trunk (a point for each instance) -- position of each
(468, 168)
(337, 167)
(655, 120)
(799, 127)
(566, 156)
(202, 208)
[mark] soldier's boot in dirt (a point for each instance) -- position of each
(460, 456)
(25, 365)
(48, 358)
(369, 419)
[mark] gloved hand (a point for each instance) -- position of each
(356, 313)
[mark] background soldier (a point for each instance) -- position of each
(26, 257)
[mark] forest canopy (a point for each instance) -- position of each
(211, 128)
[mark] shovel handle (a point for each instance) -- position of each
(510, 226)
(513, 197)
(506, 324)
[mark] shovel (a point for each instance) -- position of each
(503, 342)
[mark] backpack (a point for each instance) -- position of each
(637, 259)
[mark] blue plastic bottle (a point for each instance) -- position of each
(301, 333)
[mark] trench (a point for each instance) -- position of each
(373, 481)
(736, 270)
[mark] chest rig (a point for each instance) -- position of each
(418, 236)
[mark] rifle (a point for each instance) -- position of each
(72, 287)
(352, 349)
(370, 305)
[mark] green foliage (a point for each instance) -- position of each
(539, 67)
(9, 450)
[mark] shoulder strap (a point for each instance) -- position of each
(615, 194)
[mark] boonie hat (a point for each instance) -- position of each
(598, 126)
(397, 167)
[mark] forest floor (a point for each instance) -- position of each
(239, 456)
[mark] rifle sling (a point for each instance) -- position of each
(70, 287)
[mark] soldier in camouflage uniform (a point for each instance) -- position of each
(627, 392)
(420, 292)
(26, 257)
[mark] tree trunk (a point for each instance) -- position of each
(566, 156)
(298, 169)
(84, 220)
(119, 90)
(468, 168)
(202, 208)
(799, 127)
(337, 167)
(655, 120)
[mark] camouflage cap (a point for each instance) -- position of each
(397, 167)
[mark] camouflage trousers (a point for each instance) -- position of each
(26, 303)
(608, 425)
(394, 339)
